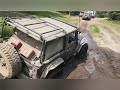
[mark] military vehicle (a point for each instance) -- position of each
(39, 47)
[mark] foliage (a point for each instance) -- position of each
(114, 15)
(102, 14)
(42, 13)
(94, 29)
(71, 13)
(5, 30)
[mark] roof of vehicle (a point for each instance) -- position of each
(42, 28)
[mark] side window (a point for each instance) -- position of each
(53, 47)
(71, 37)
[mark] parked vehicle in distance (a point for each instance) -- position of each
(92, 13)
(86, 16)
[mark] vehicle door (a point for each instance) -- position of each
(71, 45)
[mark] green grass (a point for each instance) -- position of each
(107, 21)
(94, 29)
(57, 15)
(115, 22)
(111, 25)
(7, 32)
(66, 19)
(42, 13)
(1, 20)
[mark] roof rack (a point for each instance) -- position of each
(40, 35)
(10, 20)
(54, 25)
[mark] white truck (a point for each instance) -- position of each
(92, 13)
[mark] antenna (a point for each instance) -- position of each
(79, 22)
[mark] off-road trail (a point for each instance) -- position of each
(103, 61)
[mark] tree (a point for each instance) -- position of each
(102, 14)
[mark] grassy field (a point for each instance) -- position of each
(111, 25)
(107, 21)
(60, 16)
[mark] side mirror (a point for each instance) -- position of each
(79, 32)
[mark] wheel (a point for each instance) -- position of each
(53, 73)
(10, 63)
(83, 52)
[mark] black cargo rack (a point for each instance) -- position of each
(11, 21)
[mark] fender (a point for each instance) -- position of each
(52, 66)
(81, 41)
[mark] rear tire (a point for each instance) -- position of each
(10, 63)
(53, 73)
(83, 52)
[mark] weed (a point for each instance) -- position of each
(94, 29)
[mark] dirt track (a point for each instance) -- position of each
(103, 61)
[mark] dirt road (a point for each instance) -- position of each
(103, 61)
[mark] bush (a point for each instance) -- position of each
(1, 40)
(102, 14)
(71, 13)
(114, 15)
(5, 31)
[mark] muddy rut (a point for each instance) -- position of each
(103, 61)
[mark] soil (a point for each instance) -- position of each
(103, 60)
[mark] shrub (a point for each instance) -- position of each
(102, 14)
(114, 15)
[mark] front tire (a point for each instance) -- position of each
(53, 73)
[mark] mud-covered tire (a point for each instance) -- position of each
(53, 73)
(83, 52)
(11, 59)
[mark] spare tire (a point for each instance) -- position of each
(10, 63)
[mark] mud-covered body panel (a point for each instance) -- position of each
(45, 47)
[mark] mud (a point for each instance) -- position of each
(103, 60)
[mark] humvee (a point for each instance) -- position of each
(39, 46)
